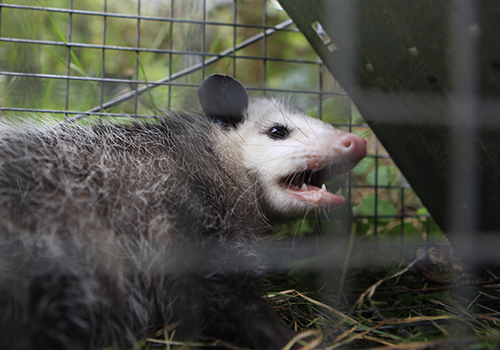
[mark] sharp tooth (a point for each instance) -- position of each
(324, 188)
(304, 187)
(339, 192)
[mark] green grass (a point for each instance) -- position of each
(356, 304)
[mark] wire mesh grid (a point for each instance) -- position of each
(182, 45)
(90, 60)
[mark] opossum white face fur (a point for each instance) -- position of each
(291, 154)
(111, 230)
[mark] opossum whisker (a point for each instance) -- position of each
(312, 129)
(324, 213)
(360, 169)
(366, 133)
(285, 115)
(306, 215)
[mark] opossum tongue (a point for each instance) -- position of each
(306, 186)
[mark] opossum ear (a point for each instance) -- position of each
(223, 99)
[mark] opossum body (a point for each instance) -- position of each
(106, 232)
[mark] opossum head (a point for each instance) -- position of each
(291, 154)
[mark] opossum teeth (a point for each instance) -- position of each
(339, 192)
(304, 181)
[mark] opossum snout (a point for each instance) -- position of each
(352, 148)
(339, 153)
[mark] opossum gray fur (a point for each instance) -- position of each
(106, 232)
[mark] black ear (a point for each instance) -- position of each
(223, 99)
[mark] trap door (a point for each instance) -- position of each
(426, 76)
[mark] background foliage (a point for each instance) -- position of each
(383, 210)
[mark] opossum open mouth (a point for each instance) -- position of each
(309, 186)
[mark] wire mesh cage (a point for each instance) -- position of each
(376, 272)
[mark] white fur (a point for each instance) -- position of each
(271, 160)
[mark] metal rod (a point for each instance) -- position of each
(124, 16)
(186, 71)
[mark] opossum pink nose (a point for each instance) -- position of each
(354, 147)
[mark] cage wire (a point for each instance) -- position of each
(388, 276)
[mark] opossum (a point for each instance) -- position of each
(109, 231)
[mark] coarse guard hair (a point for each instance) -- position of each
(109, 232)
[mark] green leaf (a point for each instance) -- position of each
(77, 65)
(422, 211)
(380, 176)
(376, 206)
(150, 95)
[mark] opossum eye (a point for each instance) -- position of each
(278, 132)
